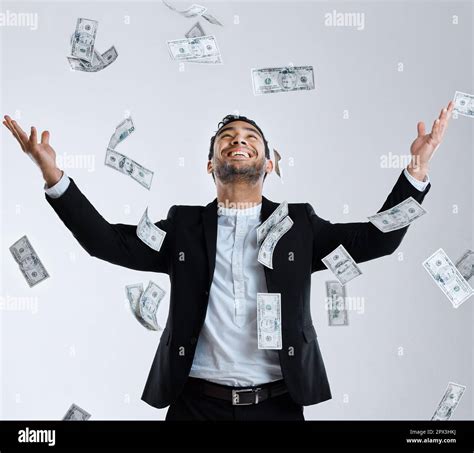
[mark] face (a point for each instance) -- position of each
(239, 154)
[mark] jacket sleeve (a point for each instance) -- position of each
(116, 243)
(363, 240)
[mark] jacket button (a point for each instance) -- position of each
(206, 293)
(193, 340)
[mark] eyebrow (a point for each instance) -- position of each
(234, 128)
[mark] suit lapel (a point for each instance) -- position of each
(209, 219)
(268, 207)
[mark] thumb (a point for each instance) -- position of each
(421, 129)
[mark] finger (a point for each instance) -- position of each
(443, 120)
(447, 115)
(6, 125)
(21, 133)
(9, 122)
(450, 108)
(9, 127)
(33, 136)
(441, 114)
(435, 130)
(14, 133)
(45, 138)
(421, 129)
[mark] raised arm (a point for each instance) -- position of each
(363, 240)
(115, 243)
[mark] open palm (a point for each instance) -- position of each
(41, 153)
(424, 146)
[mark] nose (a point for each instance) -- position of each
(238, 139)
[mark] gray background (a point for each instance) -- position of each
(82, 345)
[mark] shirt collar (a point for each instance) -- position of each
(252, 211)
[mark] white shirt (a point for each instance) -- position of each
(227, 351)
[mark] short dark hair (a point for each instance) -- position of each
(229, 119)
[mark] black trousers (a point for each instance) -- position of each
(191, 405)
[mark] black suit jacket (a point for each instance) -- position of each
(188, 256)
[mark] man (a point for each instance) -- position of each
(208, 365)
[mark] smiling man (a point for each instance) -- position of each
(208, 365)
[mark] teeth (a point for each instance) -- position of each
(239, 153)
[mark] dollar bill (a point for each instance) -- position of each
(122, 131)
(269, 320)
(336, 304)
(76, 413)
(99, 62)
(276, 216)
(464, 104)
(193, 11)
(134, 292)
(201, 49)
(449, 402)
(465, 265)
(195, 31)
(149, 303)
(278, 169)
(129, 167)
(81, 65)
(28, 261)
(211, 19)
(399, 216)
(149, 233)
(106, 59)
(265, 253)
(277, 80)
(445, 274)
(96, 62)
(76, 64)
(109, 56)
(84, 39)
(342, 265)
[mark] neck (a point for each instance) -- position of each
(239, 195)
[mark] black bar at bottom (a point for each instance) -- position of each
(134, 436)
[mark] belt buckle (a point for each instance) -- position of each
(236, 396)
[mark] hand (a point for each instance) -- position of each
(41, 153)
(424, 146)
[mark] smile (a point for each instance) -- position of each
(239, 154)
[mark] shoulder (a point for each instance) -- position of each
(299, 207)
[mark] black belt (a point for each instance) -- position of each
(239, 396)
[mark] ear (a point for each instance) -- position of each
(209, 166)
(269, 166)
